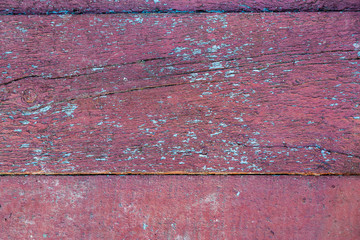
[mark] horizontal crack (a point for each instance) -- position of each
(18, 79)
(81, 69)
(196, 62)
(124, 91)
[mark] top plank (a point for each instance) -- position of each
(243, 93)
(116, 6)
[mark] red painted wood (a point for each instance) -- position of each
(181, 92)
(180, 207)
(105, 6)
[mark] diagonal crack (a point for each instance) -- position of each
(195, 62)
(82, 69)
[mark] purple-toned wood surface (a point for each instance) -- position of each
(180, 207)
(109, 6)
(265, 93)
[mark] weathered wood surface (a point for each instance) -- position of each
(180, 93)
(109, 6)
(180, 207)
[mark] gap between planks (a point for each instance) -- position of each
(178, 173)
(175, 12)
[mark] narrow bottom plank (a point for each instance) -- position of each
(179, 207)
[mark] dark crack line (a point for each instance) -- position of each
(159, 77)
(82, 69)
(125, 91)
(196, 62)
(18, 79)
(148, 87)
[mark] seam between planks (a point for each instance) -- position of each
(177, 12)
(178, 173)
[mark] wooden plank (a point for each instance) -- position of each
(180, 207)
(265, 93)
(111, 6)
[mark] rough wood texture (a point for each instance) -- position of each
(181, 92)
(108, 6)
(180, 207)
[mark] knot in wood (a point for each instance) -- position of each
(29, 95)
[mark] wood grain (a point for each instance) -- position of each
(180, 207)
(111, 6)
(243, 93)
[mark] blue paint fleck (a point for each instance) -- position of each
(145, 226)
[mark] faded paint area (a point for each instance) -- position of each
(111, 6)
(263, 93)
(180, 207)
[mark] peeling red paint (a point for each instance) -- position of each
(176, 125)
(266, 93)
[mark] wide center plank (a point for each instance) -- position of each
(185, 93)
